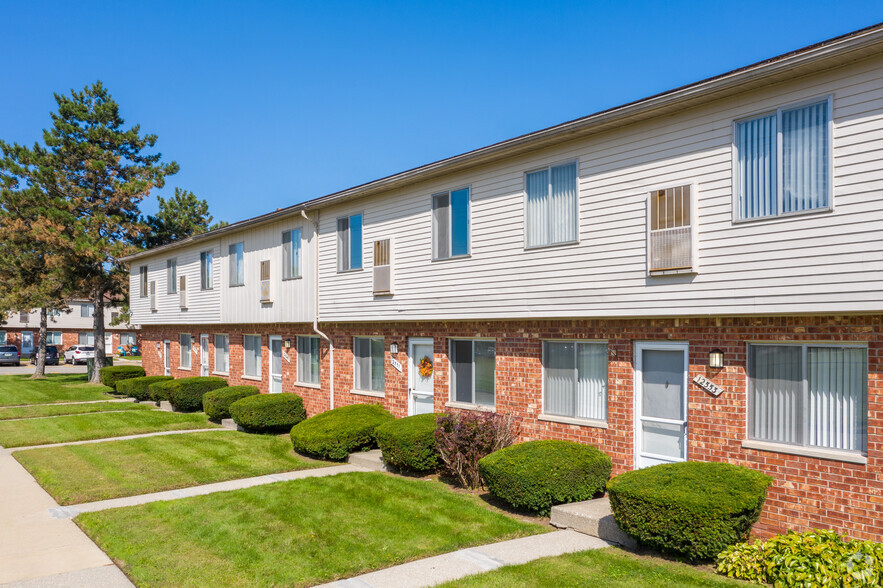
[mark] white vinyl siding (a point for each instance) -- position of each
(172, 276)
(87, 310)
(783, 162)
(308, 360)
(291, 252)
(251, 353)
(53, 338)
(236, 260)
(368, 363)
(450, 224)
(473, 365)
(206, 270)
(349, 243)
(575, 379)
(142, 273)
(222, 353)
(552, 205)
(185, 344)
(809, 395)
(86, 338)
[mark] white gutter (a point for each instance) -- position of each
(316, 302)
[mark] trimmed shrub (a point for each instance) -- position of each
(137, 388)
(537, 475)
(268, 413)
(692, 509)
(216, 403)
(110, 375)
(814, 558)
(186, 394)
(463, 439)
(334, 434)
(409, 443)
(159, 391)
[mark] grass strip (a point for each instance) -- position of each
(18, 390)
(49, 410)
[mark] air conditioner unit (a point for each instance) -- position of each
(671, 249)
(265, 281)
(182, 291)
(383, 276)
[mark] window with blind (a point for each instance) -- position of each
(142, 272)
(473, 364)
(86, 310)
(575, 379)
(206, 275)
(809, 395)
(172, 276)
(184, 343)
(552, 205)
(291, 248)
(308, 360)
(450, 224)
(671, 230)
(349, 243)
(86, 338)
(368, 363)
(222, 353)
(236, 259)
(53, 338)
(251, 354)
(383, 277)
(783, 162)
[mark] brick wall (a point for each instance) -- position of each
(808, 492)
(68, 337)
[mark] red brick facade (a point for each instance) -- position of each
(808, 492)
(68, 337)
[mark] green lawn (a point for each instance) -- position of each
(18, 390)
(295, 533)
(84, 473)
(96, 426)
(610, 568)
(47, 410)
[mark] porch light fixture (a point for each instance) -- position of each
(157, 345)
(393, 347)
(716, 359)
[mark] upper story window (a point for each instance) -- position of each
(87, 310)
(450, 224)
(308, 360)
(575, 379)
(23, 316)
(473, 364)
(237, 264)
(142, 272)
(552, 206)
(349, 243)
(55, 312)
(783, 162)
(291, 254)
(369, 363)
(172, 275)
(205, 270)
(671, 230)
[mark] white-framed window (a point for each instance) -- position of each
(206, 275)
(368, 364)
(128, 338)
(23, 316)
(142, 272)
(55, 313)
(349, 243)
(450, 224)
(87, 310)
(307, 360)
(85, 338)
(783, 161)
(291, 252)
(222, 353)
(670, 221)
(810, 395)
(473, 366)
(53, 338)
(185, 342)
(172, 275)
(251, 354)
(2, 337)
(236, 259)
(575, 379)
(552, 208)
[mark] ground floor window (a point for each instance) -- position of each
(184, 340)
(86, 338)
(127, 339)
(575, 379)
(308, 360)
(472, 365)
(809, 395)
(369, 363)
(251, 352)
(53, 338)
(222, 353)
(2, 337)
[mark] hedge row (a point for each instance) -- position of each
(110, 375)
(137, 388)
(268, 413)
(216, 403)
(409, 443)
(186, 394)
(336, 433)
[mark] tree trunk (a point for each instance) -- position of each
(98, 331)
(40, 371)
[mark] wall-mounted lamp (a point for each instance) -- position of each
(393, 347)
(157, 345)
(287, 343)
(716, 359)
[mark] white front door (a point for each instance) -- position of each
(27, 342)
(203, 355)
(275, 364)
(661, 373)
(108, 344)
(421, 397)
(167, 357)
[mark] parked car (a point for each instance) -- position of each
(79, 354)
(51, 355)
(9, 355)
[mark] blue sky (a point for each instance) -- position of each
(266, 104)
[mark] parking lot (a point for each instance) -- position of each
(27, 369)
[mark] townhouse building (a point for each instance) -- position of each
(692, 276)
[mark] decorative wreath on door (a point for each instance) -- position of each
(425, 367)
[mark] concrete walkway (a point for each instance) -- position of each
(475, 560)
(123, 438)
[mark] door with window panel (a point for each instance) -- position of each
(661, 373)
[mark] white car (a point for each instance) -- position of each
(79, 354)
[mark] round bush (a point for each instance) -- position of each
(690, 509)
(537, 475)
(268, 413)
(159, 391)
(216, 403)
(409, 443)
(334, 434)
(138, 388)
(186, 394)
(112, 374)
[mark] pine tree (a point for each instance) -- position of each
(181, 216)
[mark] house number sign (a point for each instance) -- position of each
(395, 363)
(708, 385)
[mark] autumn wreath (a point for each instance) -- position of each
(425, 367)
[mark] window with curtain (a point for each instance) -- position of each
(368, 363)
(552, 205)
(172, 275)
(206, 276)
(291, 246)
(251, 353)
(783, 162)
(349, 243)
(222, 353)
(450, 224)
(575, 379)
(809, 395)
(184, 344)
(472, 365)
(308, 360)
(86, 338)
(53, 338)
(236, 259)
(142, 272)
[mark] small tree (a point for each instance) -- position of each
(181, 216)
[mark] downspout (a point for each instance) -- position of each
(316, 314)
